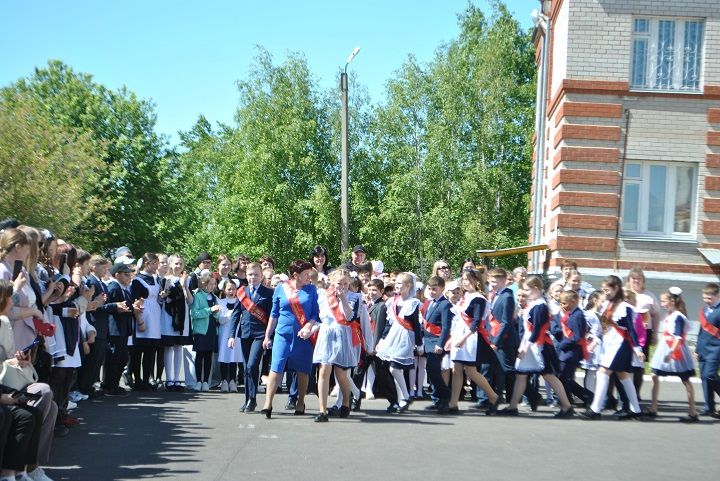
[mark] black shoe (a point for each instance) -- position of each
(534, 402)
(61, 431)
(118, 391)
(321, 418)
(299, 412)
(507, 412)
(267, 412)
(432, 407)
(493, 409)
(689, 419)
(455, 410)
(611, 403)
(344, 411)
(625, 415)
(568, 413)
(404, 409)
(249, 406)
(291, 405)
(355, 404)
(650, 414)
(482, 405)
(333, 412)
(590, 415)
(393, 408)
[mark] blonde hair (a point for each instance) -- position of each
(9, 239)
(33, 237)
(338, 274)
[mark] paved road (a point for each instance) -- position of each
(183, 436)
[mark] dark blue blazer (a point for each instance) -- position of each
(247, 326)
(99, 317)
(503, 311)
(124, 320)
(438, 314)
(709, 346)
(569, 349)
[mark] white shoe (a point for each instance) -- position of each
(71, 405)
(232, 386)
(224, 386)
(198, 386)
(77, 396)
(205, 387)
(39, 475)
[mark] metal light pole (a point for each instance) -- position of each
(344, 215)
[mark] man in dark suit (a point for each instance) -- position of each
(250, 318)
(90, 368)
(503, 331)
(119, 328)
(436, 330)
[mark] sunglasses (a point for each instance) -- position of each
(443, 268)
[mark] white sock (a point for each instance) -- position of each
(353, 388)
(169, 373)
(421, 376)
(601, 387)
(631, 394)
(177, 362)
(400, 385)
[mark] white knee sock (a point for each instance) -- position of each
(601, 387)
(631, 394)
(421, 376)
(169, 366)
(177, 362)
(400, 385)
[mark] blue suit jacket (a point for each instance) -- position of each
(124, 321)
(503, 311)
(439, 314)
(569, 349)
(99, 317)
(707, 345)
(247, 326)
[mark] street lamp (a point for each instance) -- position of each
(344, 153)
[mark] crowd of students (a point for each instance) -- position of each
(76, 325)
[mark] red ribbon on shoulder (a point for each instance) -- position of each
(567, 332)
(707, 327)
(251, 307)
(292, 294)
(339, 316)
(401, 320)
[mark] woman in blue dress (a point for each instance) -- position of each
(294, 313)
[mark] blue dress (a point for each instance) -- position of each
(289, 351)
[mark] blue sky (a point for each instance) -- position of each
(186, 56)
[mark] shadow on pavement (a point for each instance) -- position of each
(131, 437)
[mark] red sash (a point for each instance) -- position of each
(296, 307)
(608, 315)
(251, 307)
(707, 327)
(543, 338)
(339, 316)
(669, 340)
(495, 325)
(433, 329)
(481, 327)
(567, 332)
(401, 320)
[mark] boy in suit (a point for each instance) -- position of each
(436, 330)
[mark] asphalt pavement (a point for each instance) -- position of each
(203, 436)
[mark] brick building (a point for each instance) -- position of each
(627, 146)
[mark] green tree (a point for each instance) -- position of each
(45, 171)
(120, 129)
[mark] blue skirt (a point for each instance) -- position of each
(291, 352)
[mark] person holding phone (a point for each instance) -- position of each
(14, 249)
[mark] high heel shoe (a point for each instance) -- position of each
(299, 412)
(267, 412)
(493, 409)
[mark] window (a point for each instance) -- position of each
(659, 199)
(666, 54)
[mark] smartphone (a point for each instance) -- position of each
(17, 269)
(62, 262)
(25, 397)
(32, 344)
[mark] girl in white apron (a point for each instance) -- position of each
(228, 357)
(672, 356)
(147, 332)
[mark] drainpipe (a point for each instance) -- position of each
(542, 22)
(621, 175)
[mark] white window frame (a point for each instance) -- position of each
(678, 58)
(670, 195)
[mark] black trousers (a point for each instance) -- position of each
(21, 424)
(567, 377)
(90, 369)
(61, 379)
(143, 355)
(252, 353)
(434, 373)
(115, 361)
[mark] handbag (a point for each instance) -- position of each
(14, 376)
